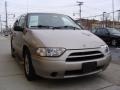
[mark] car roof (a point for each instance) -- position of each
(45, 13)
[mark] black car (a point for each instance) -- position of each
(110, 35)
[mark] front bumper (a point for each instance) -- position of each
(57, 67)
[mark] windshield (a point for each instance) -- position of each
(55, 21)
(113, 31)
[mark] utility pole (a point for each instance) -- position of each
(113, 13)
(105, 19)
(118, 15)
(6, 15)
(80, 4)
(0, 24)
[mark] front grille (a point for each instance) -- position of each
(84, 56)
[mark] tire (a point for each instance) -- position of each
(114, 42)
(12, 51)
(28, 67)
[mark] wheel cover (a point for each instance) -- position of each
(27, 65)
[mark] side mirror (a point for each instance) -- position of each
(18, 28)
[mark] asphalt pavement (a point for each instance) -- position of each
(115, 52)
(12, 75)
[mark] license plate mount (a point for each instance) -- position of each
(89, 67)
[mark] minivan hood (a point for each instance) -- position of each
(69, 39)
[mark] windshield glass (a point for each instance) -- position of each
(113, 31)
(51, 20)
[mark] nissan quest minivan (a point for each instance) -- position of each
(54, 46)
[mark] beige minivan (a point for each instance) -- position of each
(54, 46)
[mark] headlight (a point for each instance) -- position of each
(105, 48)
(50, 52)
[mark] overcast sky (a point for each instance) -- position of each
(89, 8)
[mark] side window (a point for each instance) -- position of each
(103, 32)
(16, 23)
(106, 32)
(22, 21)
(99, 32)
(66, 21)
(94, 31)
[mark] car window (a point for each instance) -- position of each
(33, 21)
(21, 21)
(52, 20)
(93, 31)
(98, 32)
(16, 23)
(102, 32)
(113, 31)
(105, 32)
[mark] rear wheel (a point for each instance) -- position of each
(28, 67)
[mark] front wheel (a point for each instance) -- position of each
(28, 67)
(12, 50)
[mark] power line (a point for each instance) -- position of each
(100, 14)
(94, 16)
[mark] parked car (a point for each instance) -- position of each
(109, 35)
(54, 46)
(6, 34)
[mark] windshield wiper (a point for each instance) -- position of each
(41, 26)
(60, 27)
